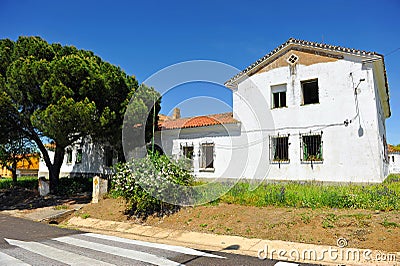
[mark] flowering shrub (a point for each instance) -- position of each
(148, 182)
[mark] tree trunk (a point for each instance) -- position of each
(54, 168)
(14, 173)
(54, 173)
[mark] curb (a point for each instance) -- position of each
(264, 249)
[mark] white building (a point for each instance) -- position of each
(305, 111)
(394, 160)
(83, 158)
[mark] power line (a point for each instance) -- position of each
(392, 52)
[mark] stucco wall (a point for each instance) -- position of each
(351, 153)
(93, 161)
(394, 163)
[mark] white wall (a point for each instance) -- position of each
(93, 161)
(220, 135)
(351, 153)
(394, 163)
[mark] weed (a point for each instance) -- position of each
(61, 207)
(329, 221)
(85, 215)
(305, 218)
(203, 225)
(386, 223)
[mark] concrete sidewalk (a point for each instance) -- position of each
(51, 214)
(267, 249)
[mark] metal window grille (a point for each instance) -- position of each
(187, 156)
(311, 146)
(78, 156)
(69, 156)
(207, 155)
(279, 148)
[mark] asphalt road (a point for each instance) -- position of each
(23, 242)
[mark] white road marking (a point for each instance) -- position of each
(131, 254)
(8, 260)
(56, 254)
(282, 263)
(179, 249)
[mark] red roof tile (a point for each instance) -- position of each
(393, 149)
(197, 121)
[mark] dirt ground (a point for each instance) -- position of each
(361, 228)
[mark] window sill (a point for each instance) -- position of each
(209, 170)
(277, 108)
(281, 162)
(312, 161)
(309, 104)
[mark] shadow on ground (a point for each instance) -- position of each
(26, 199)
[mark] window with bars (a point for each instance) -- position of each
(188, 154)
(69, 156)
(278, 96)
(79, 155)
(312, 147)
(279, 146)
(207, 156)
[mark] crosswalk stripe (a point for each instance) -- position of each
(56, 254)
(179, 249)
(8, 260)
(131, 254)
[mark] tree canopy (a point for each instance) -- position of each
(64, 93)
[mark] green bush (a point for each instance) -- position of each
(142, 181)
(74, 185)
(29, 182)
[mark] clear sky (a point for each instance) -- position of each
(143, 37)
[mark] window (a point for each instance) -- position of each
(108, 156)
(392, 158)
(207, 158)
(279, 147)
(278, 96)
(78, 156)
(188, 154)
(312, 147)
(292, 59)
(310, 91)
(69, 156)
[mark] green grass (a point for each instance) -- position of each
(29, 182)
(385, 196)
(386, 223)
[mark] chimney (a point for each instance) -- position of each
(176, 114)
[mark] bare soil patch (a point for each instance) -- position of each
(361, 228)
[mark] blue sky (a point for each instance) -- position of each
(147, 36)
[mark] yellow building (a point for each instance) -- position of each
(25, 167)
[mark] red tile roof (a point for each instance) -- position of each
(197, 121)
(393, 149)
